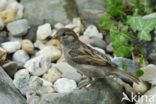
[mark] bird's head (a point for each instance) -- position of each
(66, 35)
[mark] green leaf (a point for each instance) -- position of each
(144, 27)
(139, 73)
(124, 65)
(140, 6)
(123, 50)
(115, 7)
(118, 38)
(142, 56)
(105, 22)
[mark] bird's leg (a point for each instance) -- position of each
(85, 84)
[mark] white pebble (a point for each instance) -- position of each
(20, 7)
(44, 31)
(70, 26)
(51, 51)
(52, 75)
(11, 46)
(38, 65)
(149, 74)
(39, 44)
(92, 32)
(20, 56)
(58, 26)
(18, 27)
(21, 80)
(64, 85)
(3, 4)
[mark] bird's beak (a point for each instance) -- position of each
(56, 36)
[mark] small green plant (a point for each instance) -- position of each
(124, 22)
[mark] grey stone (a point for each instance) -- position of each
(38, 65)
(109, 48)
(64, 67)
(10, 68)
(31, 34)
(72, 75)
(8, 93)
(3, 37)
(129, 63)
(20, 56)
(98, 43)
(50, 11)
(18, 28)
(91, 10)
(104, 91)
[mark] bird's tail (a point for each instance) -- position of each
(127, 75)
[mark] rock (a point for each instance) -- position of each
(3, 5)
(148, 97)
(61, 59)
(64, 67)
(91, 11)
(149, 74)
(32, 97)
(17, 38)
(58, 26)
(107, 90)
(38, 65)
(53, 32)
(80, 28)
(8, 15)
(10, 68)
(28, 46)
(55, 43)
(97, 43)
(129, 62)
(71, 26)
(92, 32)
(152, 56)
(109, 48)
(31, 34)
(20, 56)
(52, 75)
(21, 80)
(9, 94)
(3, 37)
(72, 75)
(44, 31)
(18, 28)
(3, 54)
(84, 39)
(1, 24)
(141, 88)
(37, 84)
(17, 5)
(11, 46)
(57, 10)
(51, 51)
(64, 85)
(40, 44)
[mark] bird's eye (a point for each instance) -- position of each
(63, 34)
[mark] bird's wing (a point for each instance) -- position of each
(87, 55)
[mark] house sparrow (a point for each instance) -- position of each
(87, 60)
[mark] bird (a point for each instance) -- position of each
(87, 60)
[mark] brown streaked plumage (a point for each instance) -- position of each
(87, 60)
